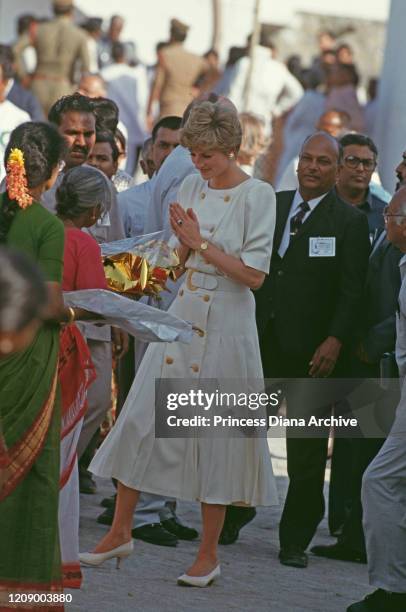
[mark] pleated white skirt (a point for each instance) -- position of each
(213, 470)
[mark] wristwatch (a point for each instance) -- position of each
(204, 246)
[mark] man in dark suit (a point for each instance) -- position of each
(354, 186)
(307, 310)
(376, 337)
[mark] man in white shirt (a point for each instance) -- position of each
(128, 87)
(134, 202)
(10, 117)
(273, 89)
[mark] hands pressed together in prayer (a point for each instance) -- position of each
(186, 226)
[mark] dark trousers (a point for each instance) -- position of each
(304, 504)
(363, 451)
(125, 372)
(352, 457)
(341, 486)
(306, 456)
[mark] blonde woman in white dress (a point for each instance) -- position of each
(224, 221)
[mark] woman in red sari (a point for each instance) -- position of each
(82, 198)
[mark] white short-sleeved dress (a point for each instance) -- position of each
(241, 222)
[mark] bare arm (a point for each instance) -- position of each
(57, 311)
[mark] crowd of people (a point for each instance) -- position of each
(300, 282)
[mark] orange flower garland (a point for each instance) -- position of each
(16, 179)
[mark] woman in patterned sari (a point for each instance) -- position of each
(29, 402)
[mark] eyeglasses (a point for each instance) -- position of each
(351, 161)
(387, 214)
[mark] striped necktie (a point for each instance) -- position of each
(297, 220)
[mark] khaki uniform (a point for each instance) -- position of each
(59, 45)
(177, 73)
(18, 50)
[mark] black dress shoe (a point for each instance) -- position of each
(380, 601)
(109, 502)
(106, 517)
(236, 518)
(229, 534)
(175, 527)
(155, 534)
(293, 556)
(86, 483)
(340, 552)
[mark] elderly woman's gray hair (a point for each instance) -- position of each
(83, 187)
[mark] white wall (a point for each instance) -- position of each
(391, 124)
(11, 9)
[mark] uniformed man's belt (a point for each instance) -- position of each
(211, 282)
(49, 77)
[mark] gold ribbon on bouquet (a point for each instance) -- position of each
(142, 271)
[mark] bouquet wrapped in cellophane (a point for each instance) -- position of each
(139, 266)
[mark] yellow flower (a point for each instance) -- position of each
(16, 156)
(16, 180)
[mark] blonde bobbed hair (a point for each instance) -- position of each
(212, 126)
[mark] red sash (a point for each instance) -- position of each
(76, 372)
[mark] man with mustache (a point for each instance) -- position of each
(76, 122)
(307, 310)
(75, 119)
(355, 186)
(354, 176)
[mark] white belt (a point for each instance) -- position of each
(201, 280)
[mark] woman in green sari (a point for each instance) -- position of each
(29, 403)
(23, 297)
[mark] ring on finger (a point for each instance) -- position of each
(179, 222)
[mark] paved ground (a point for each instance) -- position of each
(252, 578)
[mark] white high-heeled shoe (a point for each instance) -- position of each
(95, 559)
(199, 581)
